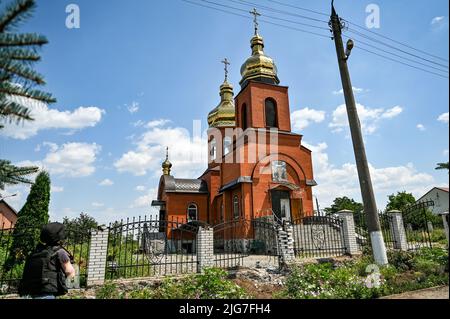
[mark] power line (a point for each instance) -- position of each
(265, 15)
(364, 29)
(398, 42)
(299, 8)
(248, 3)
(248, 17)
(394, 54)
(412, 66)
(318, 34)
(395, 48)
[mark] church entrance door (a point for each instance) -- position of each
(281, 204)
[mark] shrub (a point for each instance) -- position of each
(108, 291)
(322, 281)
(438, 236)
(212, 284)
(402, 260)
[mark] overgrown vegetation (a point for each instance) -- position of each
(212, 284)
(407, 271)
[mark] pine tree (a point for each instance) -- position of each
(18, 53)
(12, 175)
(31, 218)
(442, 166)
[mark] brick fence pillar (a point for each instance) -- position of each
(97, 257)
(398, 230)
(348, 231)
(285, 238)
(205, 248)
(445, 221)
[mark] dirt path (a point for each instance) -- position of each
(430, 293)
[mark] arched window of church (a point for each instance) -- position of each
(236, 212)
(192, 212)
(227, 145)
(244, 117)
(213, 150)
(271, 113)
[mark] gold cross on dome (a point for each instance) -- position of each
(256, 14)
(226, 63)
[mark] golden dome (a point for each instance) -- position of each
(224, 115)
(166, 165)
(259, 67)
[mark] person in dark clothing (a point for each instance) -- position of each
(48, 267)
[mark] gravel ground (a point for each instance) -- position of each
(430, 293)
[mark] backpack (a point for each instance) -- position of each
(43, 274)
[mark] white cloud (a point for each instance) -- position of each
(46, 118)
(140, 188)
(393, 112)
(445, 152)
(157, 123)
(369, 118)
(421, 127)
(106, 182)
(70, 159)
(187, 153)
(356, 90)
(96, 204)
(301, 119)
(439, 23)
(145, 200)
(57, 189)
(337, 181)
(133, 107)
(437, 20)
(443, 118)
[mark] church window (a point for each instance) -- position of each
(271, 113)
(236, 212)
(213, 150)
(244, 117)
(192, 212)
(227, 145)
(279, 172)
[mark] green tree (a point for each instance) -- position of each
(346, 203)
(12, 175)
(78, 229)
(400, 201)
(342, 203)
(31, 218)
(442, 166)
(18, 54)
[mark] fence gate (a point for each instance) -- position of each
(151, 247)
(362, 233)
(318, 236)
(419, 222)
(16, 244)
(242, 242)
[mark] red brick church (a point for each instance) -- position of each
(257, 165)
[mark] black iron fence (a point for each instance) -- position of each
(242, 242)
(362, 233)
(148, 247)
(421, 225)
(16, 245)
(318, 236)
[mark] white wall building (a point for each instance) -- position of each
(439, 195)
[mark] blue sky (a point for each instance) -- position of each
(136, 74)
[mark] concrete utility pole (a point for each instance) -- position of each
(370, 206)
